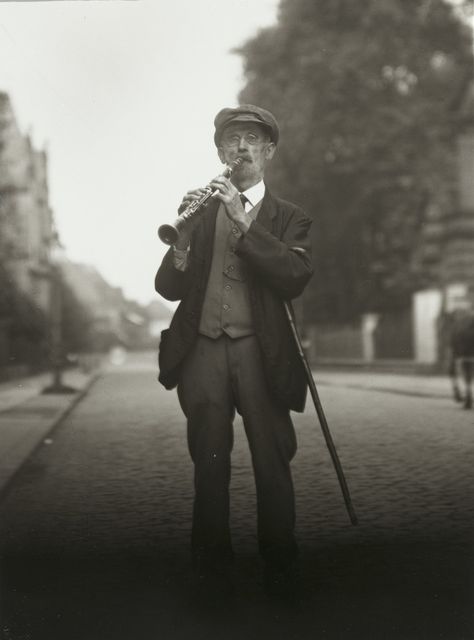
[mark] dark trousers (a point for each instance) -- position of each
(218, 377)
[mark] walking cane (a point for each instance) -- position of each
(322, 418)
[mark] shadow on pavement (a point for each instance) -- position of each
(398, 591)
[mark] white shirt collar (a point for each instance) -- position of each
(255, 194)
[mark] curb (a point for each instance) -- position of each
(55, 423)
(401, 392)
(75, 401)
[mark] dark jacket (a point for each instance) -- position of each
(277, 250)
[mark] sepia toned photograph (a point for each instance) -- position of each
(236, 320)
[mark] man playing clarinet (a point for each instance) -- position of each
(229, 346)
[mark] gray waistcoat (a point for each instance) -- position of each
(226, 305)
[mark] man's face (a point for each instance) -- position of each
(250, 142)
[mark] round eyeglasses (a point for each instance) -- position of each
(233, 140)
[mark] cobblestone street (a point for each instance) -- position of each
(95, 526)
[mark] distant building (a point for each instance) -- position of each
(95, 315)
(26, 218)
(26, 227)
(111, 319)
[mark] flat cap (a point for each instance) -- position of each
(246, 113)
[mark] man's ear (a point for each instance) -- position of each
(270, 150)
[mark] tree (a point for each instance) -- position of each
(362, 92)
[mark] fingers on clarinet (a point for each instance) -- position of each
(194, 194)
(190, 197)
(216, 184)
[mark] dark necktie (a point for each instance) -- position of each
(243, 200)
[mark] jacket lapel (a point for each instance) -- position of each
(267, 212)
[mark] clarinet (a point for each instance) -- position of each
(169, 233)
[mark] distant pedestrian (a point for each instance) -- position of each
(229, 346)
(460, 328)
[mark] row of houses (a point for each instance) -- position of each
(96, 315)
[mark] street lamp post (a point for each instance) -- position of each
(56, 352)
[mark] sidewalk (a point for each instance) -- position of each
(428, 386)
(27, 416)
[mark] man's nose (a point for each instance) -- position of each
(243, 144)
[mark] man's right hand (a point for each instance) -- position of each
(182, 242)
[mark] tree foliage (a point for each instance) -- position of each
(363, 92)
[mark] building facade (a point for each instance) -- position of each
(26, 229)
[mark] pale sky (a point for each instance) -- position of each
(123, 96)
